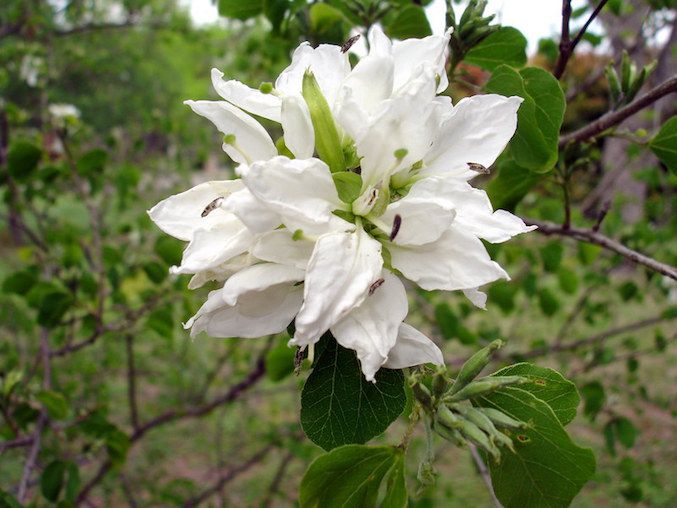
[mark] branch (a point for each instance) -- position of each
(484, 472)
(228, 475)
(614, 118)
(593, 339)
(590, 236)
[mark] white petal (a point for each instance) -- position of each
(340, 271)
(379, 43)
(258, 278)
(413, 348)
(251, 211)
(180, 215)
(244, 97)
(412, 54)
(221, 272)
(371, 81)
(422, 220)
(256, 314)
(211, 247)
(252, 142)
(301, 191)
(477, 297)
(299, 135)
(371, 329)
(474, 212)
(477, 131)
(458, 260)
(328, 63)
(279, 247)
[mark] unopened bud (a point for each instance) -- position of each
(485, 386)
(266, 87)
(474, 365)
(500, 419)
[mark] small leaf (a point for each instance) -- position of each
(92, 162)
(446, 320)
(551, 254)
(240, 9)
(549, 386)
(568, 280)
(52, 479)
(593, 394)
(7, 500)
(626, 431)
(548, 302)
(155, 271)
(535, 143)
(275, 11)
(506, 46)
(53, 307)
(352, 476)
(19, 283)
(548, 468)
(22, 159)
(117, 444)
(664, 144)
(338, 406)
(169, 249)
(54, 402)
(410, 21)
(348, 184)
(280, 362)
(511, 183)
(328, 22)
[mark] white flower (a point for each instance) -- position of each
(62, 111)
(294, 241)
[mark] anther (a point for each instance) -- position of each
(397, 222)
(377, 284)
(212, 206)
(478, 167)
(349, 43)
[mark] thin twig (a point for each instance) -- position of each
(614, 118)
(484, 472)
(590, 236)
(277, 479)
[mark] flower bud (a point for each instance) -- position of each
(473, 433)
(474, 365)
(500, 419)
(486, 385)
(327, 140)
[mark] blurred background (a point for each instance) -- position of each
(104, 399)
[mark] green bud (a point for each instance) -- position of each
(627, 71)
(502, 440)
(449, 434)
(327, 140)
(266, 87)
(382, 202)
(229, 139)
(446, 417)
(422, 394)
(500, 419)
(440, 384)
(474, 365)
(473, 433)
(614, 84)
(486, 385)
(480, 419)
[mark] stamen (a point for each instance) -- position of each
(377, 284)
(397, 222)
(400, 153)
(349, 43)
(212, 206)
(478, 167)
(266, 87)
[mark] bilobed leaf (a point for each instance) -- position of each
(548, 468)
(535, 144)
(240, 9)
(511, 184)
(410, 21)
(549, 386)
(664, 144)
(338, 406)
(504, 46)
(352, 476)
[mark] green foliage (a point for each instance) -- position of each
(22, 159)
(338, 406)
(506, 46)
(240, 9)
(539, 118)
(511, 184)
(409, 22)
(352, 475)
(348, 185)
(664, 143)
(280, 362)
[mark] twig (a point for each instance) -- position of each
(614, 118)
(228, 475)
(484, 472)
(277, 479)
(590, 236)
(566, 45)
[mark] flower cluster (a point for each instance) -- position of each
(369, 183)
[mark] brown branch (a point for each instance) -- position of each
(614, 118)
(484, 473)
(228, 475)
(18, 442)
(566, 45)
(590, 236)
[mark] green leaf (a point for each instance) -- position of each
(506, 46)
(53, 307)
(338, 406)
(352, 476)
(280, 362)
(348, 184)
(52, 479)
(503, 294)
(593, 395)
(568, 280)
(327, 22)
(117, 445)
(664, 144)
(169, 249)
(72, 482)
(54, 402)
(155, 271)
(548, 468)
(275, 11)
(22, 159)
(240, 9)
(535, 143)
(511, 184)
(549, 386)
(92, 162)
(7, 500)
(19, 283)
(625, 431)
(548, 302)
(552, 254)
(446, 320)
(410, 21)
